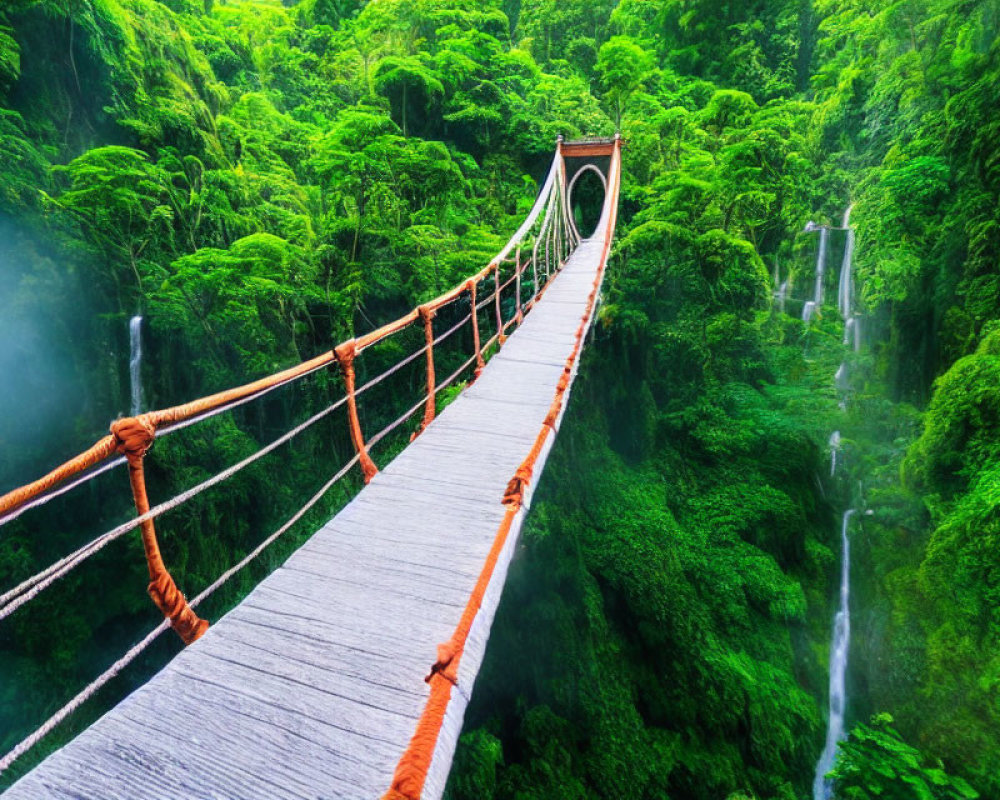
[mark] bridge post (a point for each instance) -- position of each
(345, 355)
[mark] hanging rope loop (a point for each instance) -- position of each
(133, 437)
(345, 354)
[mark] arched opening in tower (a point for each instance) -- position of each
(586, 200)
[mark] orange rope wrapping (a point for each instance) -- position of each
(133, 437)
(345, 355)
(411, 772)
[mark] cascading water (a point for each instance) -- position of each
(844, 289)
(822, 788)
(840, 378)
(780, 296)
(851, 333)
(834, 449)
(824, 238)
(135, 362)
(852, 323)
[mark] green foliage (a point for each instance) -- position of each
(622, 66)
(961, 436)
(876, 763)
(259, 179)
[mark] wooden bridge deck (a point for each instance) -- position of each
(312, 686)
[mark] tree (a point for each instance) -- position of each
(622, 65)
(120, 198)
(405, 80)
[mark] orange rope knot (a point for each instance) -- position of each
(515, 487)
(169, 599)
(133, 436)
(445, 656)
(553, 415)
(427, 312)
(345, 354)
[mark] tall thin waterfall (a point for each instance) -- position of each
(135, 362)
(824, 238)
(844, 290)
(834, 449)
(852, 322)
(822, 788)
(852, 333)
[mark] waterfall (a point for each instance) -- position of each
(852, 333)
(840, 378)
(834, 449)
(824, 238)
(849, 329)
(822, 788)
(845, 288)
(808, 310)
(135, 362)
(780, 295)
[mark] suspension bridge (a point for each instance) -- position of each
(346, 672)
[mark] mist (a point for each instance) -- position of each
(45, 405)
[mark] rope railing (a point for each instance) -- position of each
(131, 438)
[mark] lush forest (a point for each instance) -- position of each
(258, 180)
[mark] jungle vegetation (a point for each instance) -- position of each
(261, 179)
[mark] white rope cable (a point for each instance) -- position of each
(453, 328)
(260, 548)
(13, 599)
(176, 426)
(486, 300)
(42, 499)
(92, 688)
(393, 369)
(378, 437)
(455, 374)
(166, 430)
(529, 221)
